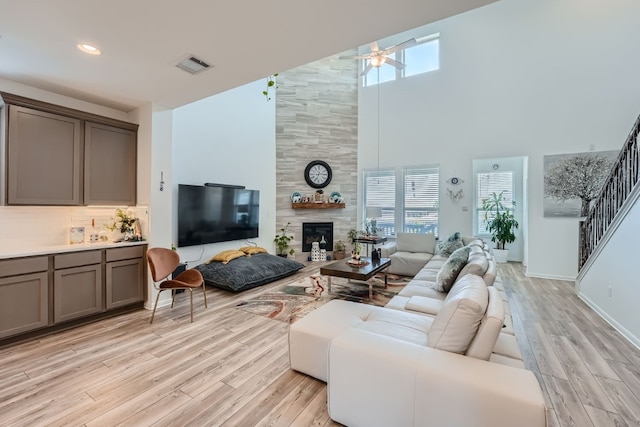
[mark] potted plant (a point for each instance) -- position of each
(500, 223)
(355, 253)
(282, 242)
(339, 250)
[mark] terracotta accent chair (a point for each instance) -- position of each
(162, 262)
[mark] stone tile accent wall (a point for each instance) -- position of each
(317, 119)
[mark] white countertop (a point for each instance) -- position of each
(56, 249)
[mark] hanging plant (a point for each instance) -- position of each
(271, 84)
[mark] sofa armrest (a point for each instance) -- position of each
(388, 249)
(378, 380)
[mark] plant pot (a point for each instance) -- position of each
(500, 255)
(338, 254)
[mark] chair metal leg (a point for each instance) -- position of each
(173, 296)
(204, 293)
(155, 305)
(191, 299)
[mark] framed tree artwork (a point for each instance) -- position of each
(573, 181)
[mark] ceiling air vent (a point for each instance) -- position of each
(192, 65)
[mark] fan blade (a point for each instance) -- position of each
(374, 46)
(366, 70)
(367, 56)
(398, 65)
(403, 45)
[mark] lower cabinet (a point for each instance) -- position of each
(77, 292)
(42, 292)
(124, 282)
(24, 301)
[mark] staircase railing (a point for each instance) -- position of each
(621, 181)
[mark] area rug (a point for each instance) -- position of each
(294, 300)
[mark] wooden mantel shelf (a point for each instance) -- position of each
(318, 205)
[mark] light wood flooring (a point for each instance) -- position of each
(231, 367)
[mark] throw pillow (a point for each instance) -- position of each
(226, 256)
(449, 247)
(454, 236)
(450, 270)
(250, 250)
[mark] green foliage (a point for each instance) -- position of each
(282, 241)
(123, 221)
(271, 84)
(357, 248)
(339, 246)
(353, 234)
(500, 220)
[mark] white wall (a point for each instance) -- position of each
(517, 78)
(228, 138)
(616, 267)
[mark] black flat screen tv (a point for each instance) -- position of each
(216, 214)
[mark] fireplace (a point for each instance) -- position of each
(313, 232)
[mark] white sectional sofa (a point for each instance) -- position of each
(428, 358)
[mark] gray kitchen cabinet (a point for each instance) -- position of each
(77, 285)
(42, 293)
(44, 153)
(125, 270)
(109, 165)
(60, 156)
(24, 295)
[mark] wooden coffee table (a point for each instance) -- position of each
(363, 273)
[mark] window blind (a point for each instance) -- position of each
(492, 182)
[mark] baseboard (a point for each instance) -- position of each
(550, 276)
(618, 327)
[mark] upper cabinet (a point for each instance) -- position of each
(59, 156)
(43, 150)
(109, 165)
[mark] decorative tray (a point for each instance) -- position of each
(360, 263)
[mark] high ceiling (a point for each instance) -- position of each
(142, 40)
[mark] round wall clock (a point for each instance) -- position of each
(318, 174)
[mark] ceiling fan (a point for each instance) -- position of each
(377, 57)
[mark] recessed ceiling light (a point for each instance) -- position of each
(88, 48)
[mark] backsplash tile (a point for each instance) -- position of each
(35, 226)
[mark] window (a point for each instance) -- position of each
(487, 183)
(421, 200)
(411, 206)
(380, 192)
(420, 58)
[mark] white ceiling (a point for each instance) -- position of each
(142, 40)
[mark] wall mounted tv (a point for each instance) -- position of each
(216, 214)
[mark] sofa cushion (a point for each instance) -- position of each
(428, 274)
(408, 263)
(400, 325)
(459, 317)
(490, 327)
(310, 337)
(490, 275)
(426, 305)
(449, 271)
(476, 264)
(467, 240)
(414, 242)
(422, 288)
